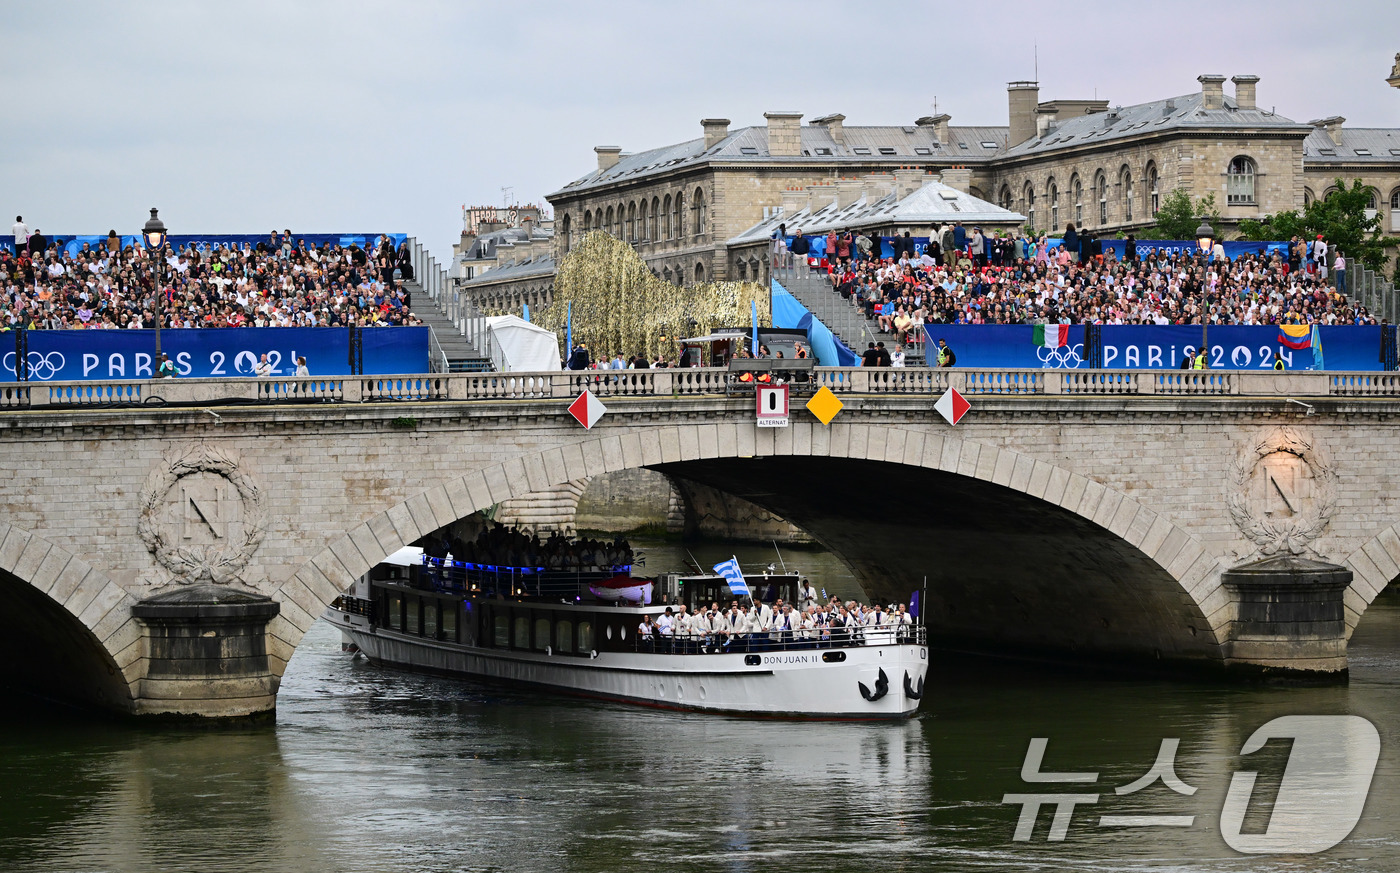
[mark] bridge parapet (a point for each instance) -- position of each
(693, 382)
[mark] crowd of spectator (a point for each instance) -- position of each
(279, 282)
(1015, 280)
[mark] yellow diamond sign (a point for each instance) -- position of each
(824, 405)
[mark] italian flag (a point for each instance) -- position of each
(1052, 336)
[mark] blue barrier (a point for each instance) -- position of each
(73, 243)
(72, 355)
(1152, 347)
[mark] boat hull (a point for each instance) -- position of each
(855, 682)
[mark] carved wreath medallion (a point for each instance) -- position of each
(1284, 492)
(202, 515)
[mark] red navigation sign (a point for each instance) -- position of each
(952, 406)
(587, 409)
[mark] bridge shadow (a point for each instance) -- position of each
(1007, 572)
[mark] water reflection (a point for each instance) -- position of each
(371, 770)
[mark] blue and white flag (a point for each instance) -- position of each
(1317, 348)
(733, 575)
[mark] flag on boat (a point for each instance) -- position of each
(1051, 336)
(1295, 336)
(733, 575)
(1317, 347)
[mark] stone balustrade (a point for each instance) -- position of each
(692, 383)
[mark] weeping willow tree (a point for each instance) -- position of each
(619, 306)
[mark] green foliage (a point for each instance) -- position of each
(1340, 219)
(619, 306)
(1178, 217)
(403, 422)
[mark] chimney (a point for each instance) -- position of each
(907, 180)
(528, 225)
(1212, 91)
(848, 191)
(716, 129)
(877, 187)
(832, 123)
(1045, 121)
(784, 134)
(794, 201)
(819, 197)
(939, 123)
(607, 157)
(1333, 126)
(1244, 91)
(958, 178)
(1021, 99)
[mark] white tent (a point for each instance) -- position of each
(516, 344)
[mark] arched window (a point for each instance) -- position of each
(1308, 196)
(1101, 189)
(631, 222)
(1154, 199)
(1004, 200)
(1395, 211)
(666, 216)
(608, 222)
(1239, 186)
(1078, 187)
(1372, 203)
(621, 220)
(666, 273)
(1054, 194)
(743, 269)
(587, 220)
(653, 231)
(1125, 177)
(698, 205)
(642, 222)
(1029, 196)
(678, 216)
(699, 272)
(567, 234)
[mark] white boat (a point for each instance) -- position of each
(420, 621)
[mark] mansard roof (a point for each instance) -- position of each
(1171, 114)
(1360, 145)
(863, 146)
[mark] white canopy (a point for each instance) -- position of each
(516, 344)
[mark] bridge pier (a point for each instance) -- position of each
(206, 654)
(1290, 620)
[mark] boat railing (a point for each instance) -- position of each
(784, 641)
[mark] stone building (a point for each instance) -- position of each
(685, 206)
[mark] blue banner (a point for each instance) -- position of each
(1152, 347)
(1172, 247)
(72, 355)
(73, 243)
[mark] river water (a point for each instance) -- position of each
(371, 770)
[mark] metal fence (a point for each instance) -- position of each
(1374, 291)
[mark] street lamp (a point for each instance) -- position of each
(1205, 235)
(154, 235)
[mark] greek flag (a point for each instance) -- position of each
(733, 575)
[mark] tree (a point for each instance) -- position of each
(1341, 220)
(1178, 218)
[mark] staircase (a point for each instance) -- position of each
(458, 343)
(843, 317)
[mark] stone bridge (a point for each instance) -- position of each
(1088, 514)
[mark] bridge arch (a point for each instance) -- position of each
(77, 642)
(1126, 579)
(1374, 566)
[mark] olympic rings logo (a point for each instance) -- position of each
(1063, 358)
(41, 366)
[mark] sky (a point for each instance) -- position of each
(347, 116)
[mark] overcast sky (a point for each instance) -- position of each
(343, 116)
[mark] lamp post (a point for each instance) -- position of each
(1205, 237)
(154, 235)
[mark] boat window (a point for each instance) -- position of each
(563, 635)
(449, 622)
(541, 633)
(393, 611)
(502, 635)
(833, 656)
(522, 633)
(432, 609)
(585, 636)
(415, 615)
